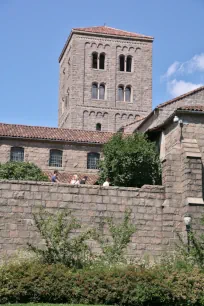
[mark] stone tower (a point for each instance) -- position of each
(105, 79)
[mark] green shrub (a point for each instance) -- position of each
(130, 286)
(113, 249)
(62, 245)
(21, 171)
(130, 161)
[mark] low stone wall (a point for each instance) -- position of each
(90, 204)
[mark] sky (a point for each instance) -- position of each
(33, 33)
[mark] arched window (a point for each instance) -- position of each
(102, 61)
(95, 60)
(98, 127)
(120, 93)
(122, 63)
(129, 64)
(128, 94)
(102, 92)
(55, 158)
(17, 154)
(92, 160)
(94, 91)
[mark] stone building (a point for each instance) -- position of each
(105, 85)
(105, 79)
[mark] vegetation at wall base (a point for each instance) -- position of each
(130, 161)
(21, 171)
(34, 282)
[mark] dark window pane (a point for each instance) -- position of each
(129, 64)
(17, 154)
(102, 61)
(120, 93)
(98, 127)
(102, 92)
(127, 94)
(92, 160)
(94, 91)
(94, 60)
(55, 158)
(122, 62)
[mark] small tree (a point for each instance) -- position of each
(21, 171)
(113, 249)
(62, 245)
(130, 161)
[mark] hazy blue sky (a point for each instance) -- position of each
(33, 32)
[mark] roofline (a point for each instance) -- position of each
(51, 140)
(170, 102)
(180, 111)
(75, 31)
(189, 93)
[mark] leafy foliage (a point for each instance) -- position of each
(130, 161)
(113, 249)
(62, 245)
(21, 171)
(129, 286)
(195, 254)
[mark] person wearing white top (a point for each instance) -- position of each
(75, 180)
(106, 183)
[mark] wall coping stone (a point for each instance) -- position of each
(144, 188)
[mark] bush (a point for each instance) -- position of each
(113, 249)
(61, 246)
(34, 282)
(21, 171)
(130, 161)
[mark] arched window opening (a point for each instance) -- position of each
(102, 61)
(128, 94)
(17, 154)
(120, 93)
(95, 60)
(55, 158)
(129, 64)
(98, 127)
(122, 63)
(102, 92)
(92, 160)
(94, 91)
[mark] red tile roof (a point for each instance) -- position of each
(65, 177)
(104, 30)
(112, 31)
(170, 102)
(53, 134)
(195, 108)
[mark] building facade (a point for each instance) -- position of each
(105, 79)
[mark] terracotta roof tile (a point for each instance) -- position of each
(196, 108)
(65, 177)
(111, 31)
(53, 134)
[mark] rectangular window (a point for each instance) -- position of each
(17, 154)
(55, 158)
(92, 160)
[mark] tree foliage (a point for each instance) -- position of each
(130, 161)
(21, 171)
(62, 243)
(113, 248)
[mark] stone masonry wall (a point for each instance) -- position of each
(84, 112)
(74, 158)
(90, 204)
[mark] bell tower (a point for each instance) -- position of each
(105, 79)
